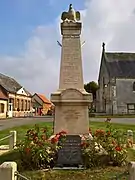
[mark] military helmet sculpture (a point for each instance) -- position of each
(71, 15)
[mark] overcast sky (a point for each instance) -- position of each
(30, 29)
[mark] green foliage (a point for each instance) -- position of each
(107, 148)
(91, 87)
(36, 150)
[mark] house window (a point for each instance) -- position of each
(28, 105)
(134, 86)
(18, 108)
(22, 105)
(25, 105)
(131, 108)
(1, 108)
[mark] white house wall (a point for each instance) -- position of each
(22, 92)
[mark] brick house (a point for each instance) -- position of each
(116, 93)
(17, 97)
(3, 103)
(41, 104)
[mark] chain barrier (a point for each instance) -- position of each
(21, 177)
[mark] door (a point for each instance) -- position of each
(10, 110)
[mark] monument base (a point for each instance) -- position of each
(69, 168)
(71, 111)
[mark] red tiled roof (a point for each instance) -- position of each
(44, 99)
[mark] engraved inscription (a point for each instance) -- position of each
(70, 153)
(71, 114)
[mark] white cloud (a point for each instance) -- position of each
(109, 21)
(37, 66)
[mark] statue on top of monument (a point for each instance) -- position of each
(71, 15)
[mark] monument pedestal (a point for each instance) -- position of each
(71, 111)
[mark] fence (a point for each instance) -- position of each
(12, 139)
(20, 177)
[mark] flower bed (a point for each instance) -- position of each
(101, 147)
(106, 148)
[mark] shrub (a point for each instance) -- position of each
(107, 147)
(37, 151)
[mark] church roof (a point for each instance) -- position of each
(10, 84)
(120, 64)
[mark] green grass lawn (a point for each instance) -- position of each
(21, 130)
(91, 174)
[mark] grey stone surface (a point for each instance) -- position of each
(125, 94)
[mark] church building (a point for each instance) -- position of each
(116, 93)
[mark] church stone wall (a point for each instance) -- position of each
(125, 95)
(102, 92)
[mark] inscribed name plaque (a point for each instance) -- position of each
(69, 155)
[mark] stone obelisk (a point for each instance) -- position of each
(71, 100)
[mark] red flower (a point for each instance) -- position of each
(84, 144)
(108, 133)
(54, 140)
(58, 136)
(118, 148)
(108, 120)
(27, 150)
(62, 133)
(99, 132)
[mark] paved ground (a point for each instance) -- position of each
(9, 123)
(116, 120)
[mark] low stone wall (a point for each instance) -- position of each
(7, 171)
(131, 170)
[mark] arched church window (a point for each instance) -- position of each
(134, 86)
